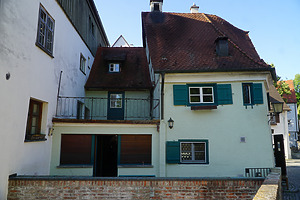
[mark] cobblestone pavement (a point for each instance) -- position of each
(293, 172)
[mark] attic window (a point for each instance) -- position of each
(156, 7)
(114, 67)
(222, 46)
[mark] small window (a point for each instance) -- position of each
(252, 93)
(247, 93)
(115, 100)
(45, 34)
(201, 95)
(193, 152)
(114, 67)
(76, 149)
(135, 149)
(156, 7)
(34, 121)
(82, 63)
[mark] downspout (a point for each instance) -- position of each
(58, 91)
(162, 95)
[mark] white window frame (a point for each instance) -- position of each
(114, 67)
(82, 63)
(201, 95)
(116, 100)
(193, 153)
(249, 94)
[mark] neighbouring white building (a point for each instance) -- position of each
(44, 49)
(279, 121)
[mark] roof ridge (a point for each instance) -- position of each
(234, 44)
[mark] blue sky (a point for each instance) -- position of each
(274, 25)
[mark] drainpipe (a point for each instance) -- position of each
(58, 91)
(162, 95)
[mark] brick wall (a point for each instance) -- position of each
(131, 188)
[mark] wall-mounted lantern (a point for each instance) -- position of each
(277, 107)
(171, 123)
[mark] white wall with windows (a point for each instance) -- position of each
(280, 126)
(33, 54)
(221, 139)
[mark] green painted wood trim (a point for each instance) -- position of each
(257, 93)
(180, 95)
(172, 152)
(224, 92)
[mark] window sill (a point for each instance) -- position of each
(135, 166)
(35, 138)
(212, 107)
(75, 166)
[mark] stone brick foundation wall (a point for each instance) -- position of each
(131, 188)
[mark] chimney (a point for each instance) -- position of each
(194, 8)
(156, 5)
(222, 46)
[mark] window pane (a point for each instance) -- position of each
(200, 156)
(199, 146)
(117, 68)
(35, 109)
(186, 147)
(50, 24)
(194, 90)
(116, 100)
(207, 90)
(33, 130)
(135, 149)
(43, 15)
(195, 99)
(207, 99)
(246, 94)
(186, 156)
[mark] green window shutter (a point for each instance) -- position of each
(180, 94)
(224, 94)
(257, 93)
(172, 152)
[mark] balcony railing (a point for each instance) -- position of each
(99, 108)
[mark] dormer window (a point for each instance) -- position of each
(222, 46)
(156, 7)
(114, 67)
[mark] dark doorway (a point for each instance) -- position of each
(106, 156)
(279, 153)
(115, 106)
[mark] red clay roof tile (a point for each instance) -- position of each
(185, 42)
(134, 74)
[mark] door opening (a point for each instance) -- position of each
(106, 156)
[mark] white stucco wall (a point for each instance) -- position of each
(222, 127)
(282, 128)
(33, 74)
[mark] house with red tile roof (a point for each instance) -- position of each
(192, 102)
(293, 121)
(213, 88)
(116, 121)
